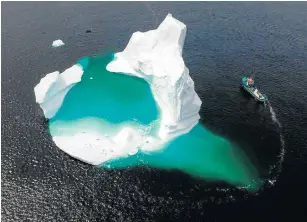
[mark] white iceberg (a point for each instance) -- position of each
(155, 56)
(57, 43)
(52, 89)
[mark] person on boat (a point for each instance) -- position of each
(249, 81)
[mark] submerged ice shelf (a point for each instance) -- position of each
(138, 107)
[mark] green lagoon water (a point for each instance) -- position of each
(111, 96)
(105, 98)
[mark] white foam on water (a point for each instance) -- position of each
(282, 152)
(270, 182)
(273, 115)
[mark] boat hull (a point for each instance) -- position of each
(250, 90)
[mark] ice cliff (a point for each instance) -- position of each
(156, 56)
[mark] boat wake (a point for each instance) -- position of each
(274, 170)
(273, 115)
(277, 168)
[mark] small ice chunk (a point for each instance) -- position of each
(91, 77)
(57, 43)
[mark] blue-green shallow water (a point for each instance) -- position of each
(111, 96)
(118, 98)
(199, 153)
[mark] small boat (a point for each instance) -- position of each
(248, 84)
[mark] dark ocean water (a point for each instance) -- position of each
(224, 42)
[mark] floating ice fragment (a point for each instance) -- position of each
(52, 89)
(57, 43)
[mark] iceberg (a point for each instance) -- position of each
(156, 56)
(57, 43)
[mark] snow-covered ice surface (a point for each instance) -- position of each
(57, 43)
